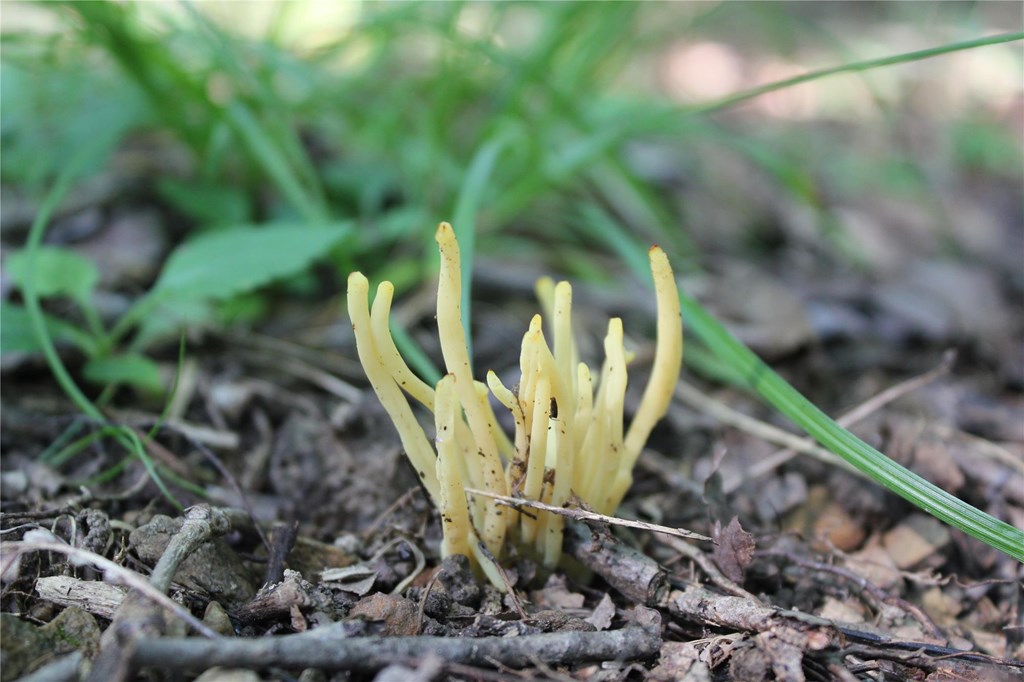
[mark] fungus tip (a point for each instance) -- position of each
(444, 231)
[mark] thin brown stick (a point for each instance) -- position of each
(584, 515)
(282, 540)
(792, 443)
(128, 577)
(137, 618)
(858, 413)
(367, 654)
(709, 568)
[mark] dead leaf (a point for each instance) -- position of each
(874, 564)
(357, 579)
(556, 595)
(734, 550)
(921, 448)
(915, 539)
(846, 610)
(749, 662)
(398, 614)
(940, 606)
(681, 661)
(603, 613)
(779, 494)
(762, 311)
(839, 528)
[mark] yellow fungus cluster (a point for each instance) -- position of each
(567, 441)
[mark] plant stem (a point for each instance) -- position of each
(852, 67)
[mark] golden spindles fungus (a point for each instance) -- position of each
(567, 441)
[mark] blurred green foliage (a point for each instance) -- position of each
(520, 121)
(387, 119)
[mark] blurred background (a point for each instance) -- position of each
(561, 118)
(868, 215)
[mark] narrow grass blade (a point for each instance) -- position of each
(852, 67)
(125, 436)
(419, 361)
(464, 219)
(30, 290)
(273, 162)
(760, 378)
(905, 483)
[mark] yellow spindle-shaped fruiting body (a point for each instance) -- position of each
(568, 441)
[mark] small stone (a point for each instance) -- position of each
(214, 567)
(874, 564)
(25, 647)
(839, 528)
(915, 539)
(940, 607)
(216, 618)
(74, 629)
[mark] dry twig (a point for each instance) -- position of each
(136, 618)
(315, 649)
(793, 444)
(859, 413)
(633, 574)
(10, 550)
(583, 515)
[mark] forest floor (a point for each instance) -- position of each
(320, 526)
(305, 549)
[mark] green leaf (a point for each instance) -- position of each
(169, 318)
(58, 272)
(16, 333)
(209, 204)
(225, 263)
(66, 105)
(134, 370)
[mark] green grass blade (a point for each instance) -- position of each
(273, 162)
(139, 450)
(125, 436)
(73, 449)
(173, 393)
(419, 361)
(900, 480)
(277, 127)
(779, 393)
(32, 305)
(852, 67)
(464, 218)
